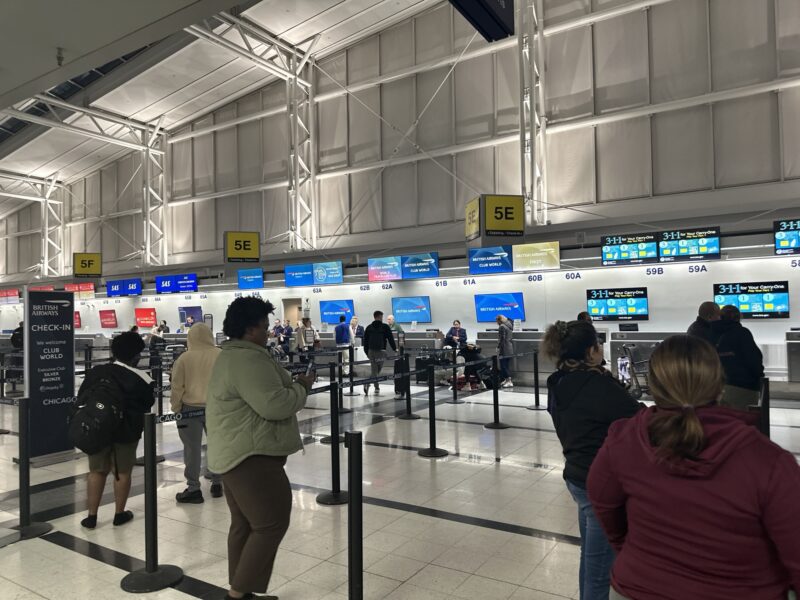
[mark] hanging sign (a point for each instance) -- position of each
(49, 368)
(472, 219)
(504, 215)
(87, 264)
(242, 246)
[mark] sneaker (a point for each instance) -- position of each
(366, 389)
(398, 396)
(377, 389)
(189, 497)
(507, 384)
(481, 386)
(216, 490)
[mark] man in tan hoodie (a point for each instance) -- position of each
(190, 377)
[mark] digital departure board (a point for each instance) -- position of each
(617, 304)
(787, 237)
(124, 287)
(761, 300)
(689, 244)
(633, 249)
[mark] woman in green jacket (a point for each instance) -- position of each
(252, 428)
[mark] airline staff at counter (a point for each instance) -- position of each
(456, 336)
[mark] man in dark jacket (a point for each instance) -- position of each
(707, 313)
(741, 359)
(376, 336)
(135, 389)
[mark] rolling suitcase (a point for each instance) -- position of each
(422, 363)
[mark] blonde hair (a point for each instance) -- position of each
(685, 373)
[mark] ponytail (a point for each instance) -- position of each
(685, 373)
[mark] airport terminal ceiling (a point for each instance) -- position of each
(402, 113)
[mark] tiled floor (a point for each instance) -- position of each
(492, 520)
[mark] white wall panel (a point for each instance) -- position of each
(569, 74)
(399, 197)
(93, 233)
(334, 203)
(276, 214)
(475, 170)
(182, 224)
(464, 34)
(788, 18)
(332, 132)
(365, 127)
(397, 47)
(274, 95)
(203, 157)
(108, 189)
(3, 250)
(251, 212)
(248, 142)
(12, 261)
(571, 168)
(507, 167)
(365, 201)
(623, 159)
(276, 147)
(226, 173)
(435, 191)
(556, 11)
(507, 91)
(226, 213)
(678, 46)
(742, 42)
(746, 140)
(790, 118)
(332, 71)
(682, 158)
(362, 60)
(433, 37)
(620, 57)
(435, 128)
(130, 181)
(182, 167)
(398, 108)
(204, 226)
(249, 104)
(474, 91)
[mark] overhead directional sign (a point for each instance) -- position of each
(505, 215)
(242, 246)
(87, 264)
(472, 220)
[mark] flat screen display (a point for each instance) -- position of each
(630, 249)
(322, 273)
(298, 275)
(689, 244)
(384, 268)
(173, 284)
(761, 300)
(185, 312)
(488, 306)
(486, 261)
(331, 310)
(420, 266)
(787, 236)
(250, 279)
(412, 308)
(124, 287)
(618, 304)
(536, 257)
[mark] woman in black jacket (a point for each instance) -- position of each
(583, 399)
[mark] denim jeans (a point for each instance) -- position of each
(597, 556)
(505, 371)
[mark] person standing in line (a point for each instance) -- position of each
(456, 336)
(702, 327)
(277, 330)
(307, 338)
(741, 359)
(134, 391)
(505, 349)
(252, 429)
(190, 378)
(584, 399)
(696, 502)
(356, 330)
(376, 336)
(343, 341)
(155, 346)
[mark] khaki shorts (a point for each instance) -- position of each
(117, 458)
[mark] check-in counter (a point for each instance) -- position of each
(646, 342)
(793, 355)
(525, 341)
(327, 340)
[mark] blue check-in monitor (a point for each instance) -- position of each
(689, 244)
(618, 304)
(787, 236)
(331, 310)
(251, 279)
(412, 308)
(761, 300)
(124, 287)
(510, 305)
(631, 249)
(489, 261)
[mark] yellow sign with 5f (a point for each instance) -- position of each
(242, 246)
(505, 215)
(87, 264)
(472, 221)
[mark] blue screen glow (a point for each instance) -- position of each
(629, 249)
(331, 310)
(420, 266)
(689, 244)
(323, 273)
(172, 284)
(765, 300)
(485, 261)
(124, 287)
(787, 236)
(251, 279)
(488, 306)
(617, 304)
(412, 308)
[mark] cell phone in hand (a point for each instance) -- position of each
(310, 368)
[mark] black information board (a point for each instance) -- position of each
(49, 368)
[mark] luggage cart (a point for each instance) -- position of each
(633, 370)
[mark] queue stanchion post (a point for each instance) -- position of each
(27, 528)
(496, 423)
(141, 461)
(355, 516)
(328, 439)
(336, 495)
(351, 358)
(340, 381)
(408, 415)
(3, 385)
(432, 451)
(153, 577)
(455, 399)
(536, 400)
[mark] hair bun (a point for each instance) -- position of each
(562, 328)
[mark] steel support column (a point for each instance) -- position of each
(154, 208)
(52, 263)
(301, 165)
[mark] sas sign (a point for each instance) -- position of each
(87, 264)
(242, 246)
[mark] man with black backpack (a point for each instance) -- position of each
(376, 336)
(108, 421)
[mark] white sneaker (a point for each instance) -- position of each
(507, 384)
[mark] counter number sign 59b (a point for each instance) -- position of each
(87, 264)
(242, 246)
(505, 215)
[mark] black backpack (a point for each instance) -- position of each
(17, 339)
(96, 416)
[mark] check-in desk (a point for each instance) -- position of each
(525, 341)
(646, 342)
(793, 355)
(327, 340)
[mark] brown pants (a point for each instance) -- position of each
(260, 500)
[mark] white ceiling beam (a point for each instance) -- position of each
(22, 116)
(226, 124)
(27, 197)
(28, 178)
(99, 219)
(601, 15)
(94, 112)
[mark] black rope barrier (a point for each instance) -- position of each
(496, 423)
(338, 438)
(432, 451)
(336, 495)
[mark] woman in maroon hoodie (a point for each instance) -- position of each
(697, 503)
